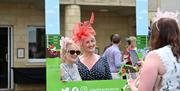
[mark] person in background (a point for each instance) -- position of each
(161, 70)
(131, 45)
(90, 65)
(69, 53)
(110, 44)
(114, 56)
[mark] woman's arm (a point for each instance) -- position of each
(149, 72)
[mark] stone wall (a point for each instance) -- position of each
(100, 2)
(20, 16)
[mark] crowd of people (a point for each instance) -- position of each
(161, 68)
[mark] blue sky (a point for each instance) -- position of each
(142, 17)
(52, 16)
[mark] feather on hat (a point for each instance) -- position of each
(83, 30)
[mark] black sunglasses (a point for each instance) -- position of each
(72, 52)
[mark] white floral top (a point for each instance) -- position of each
(171, 79)
(70, 72)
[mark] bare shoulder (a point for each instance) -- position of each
(154, 60)
(152, 56)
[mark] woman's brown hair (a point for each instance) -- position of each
(166, 32)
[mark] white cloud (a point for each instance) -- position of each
(50, 25)
(144, 11)
(56, 7)
(50, 11)
(140, 18)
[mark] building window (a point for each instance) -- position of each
(36, 44)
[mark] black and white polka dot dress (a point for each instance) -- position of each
(100, 70)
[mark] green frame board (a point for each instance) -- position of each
(142, 41)
(53, 63)
(54, 83)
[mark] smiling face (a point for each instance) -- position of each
(72, 53)
(89, 44)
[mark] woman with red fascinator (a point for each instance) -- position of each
(90, 65)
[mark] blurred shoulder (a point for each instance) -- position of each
(152, 54)
(152, 57)
(62, 65)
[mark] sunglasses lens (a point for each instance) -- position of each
(78, 52)
(72, 52)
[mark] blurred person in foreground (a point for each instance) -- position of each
(161, 70)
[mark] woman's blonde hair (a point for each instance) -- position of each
(132, 39)
(65, 44)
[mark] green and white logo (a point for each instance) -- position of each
(84, 88)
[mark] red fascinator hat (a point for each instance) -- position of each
(84, 29)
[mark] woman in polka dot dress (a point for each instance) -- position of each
(90, 65)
